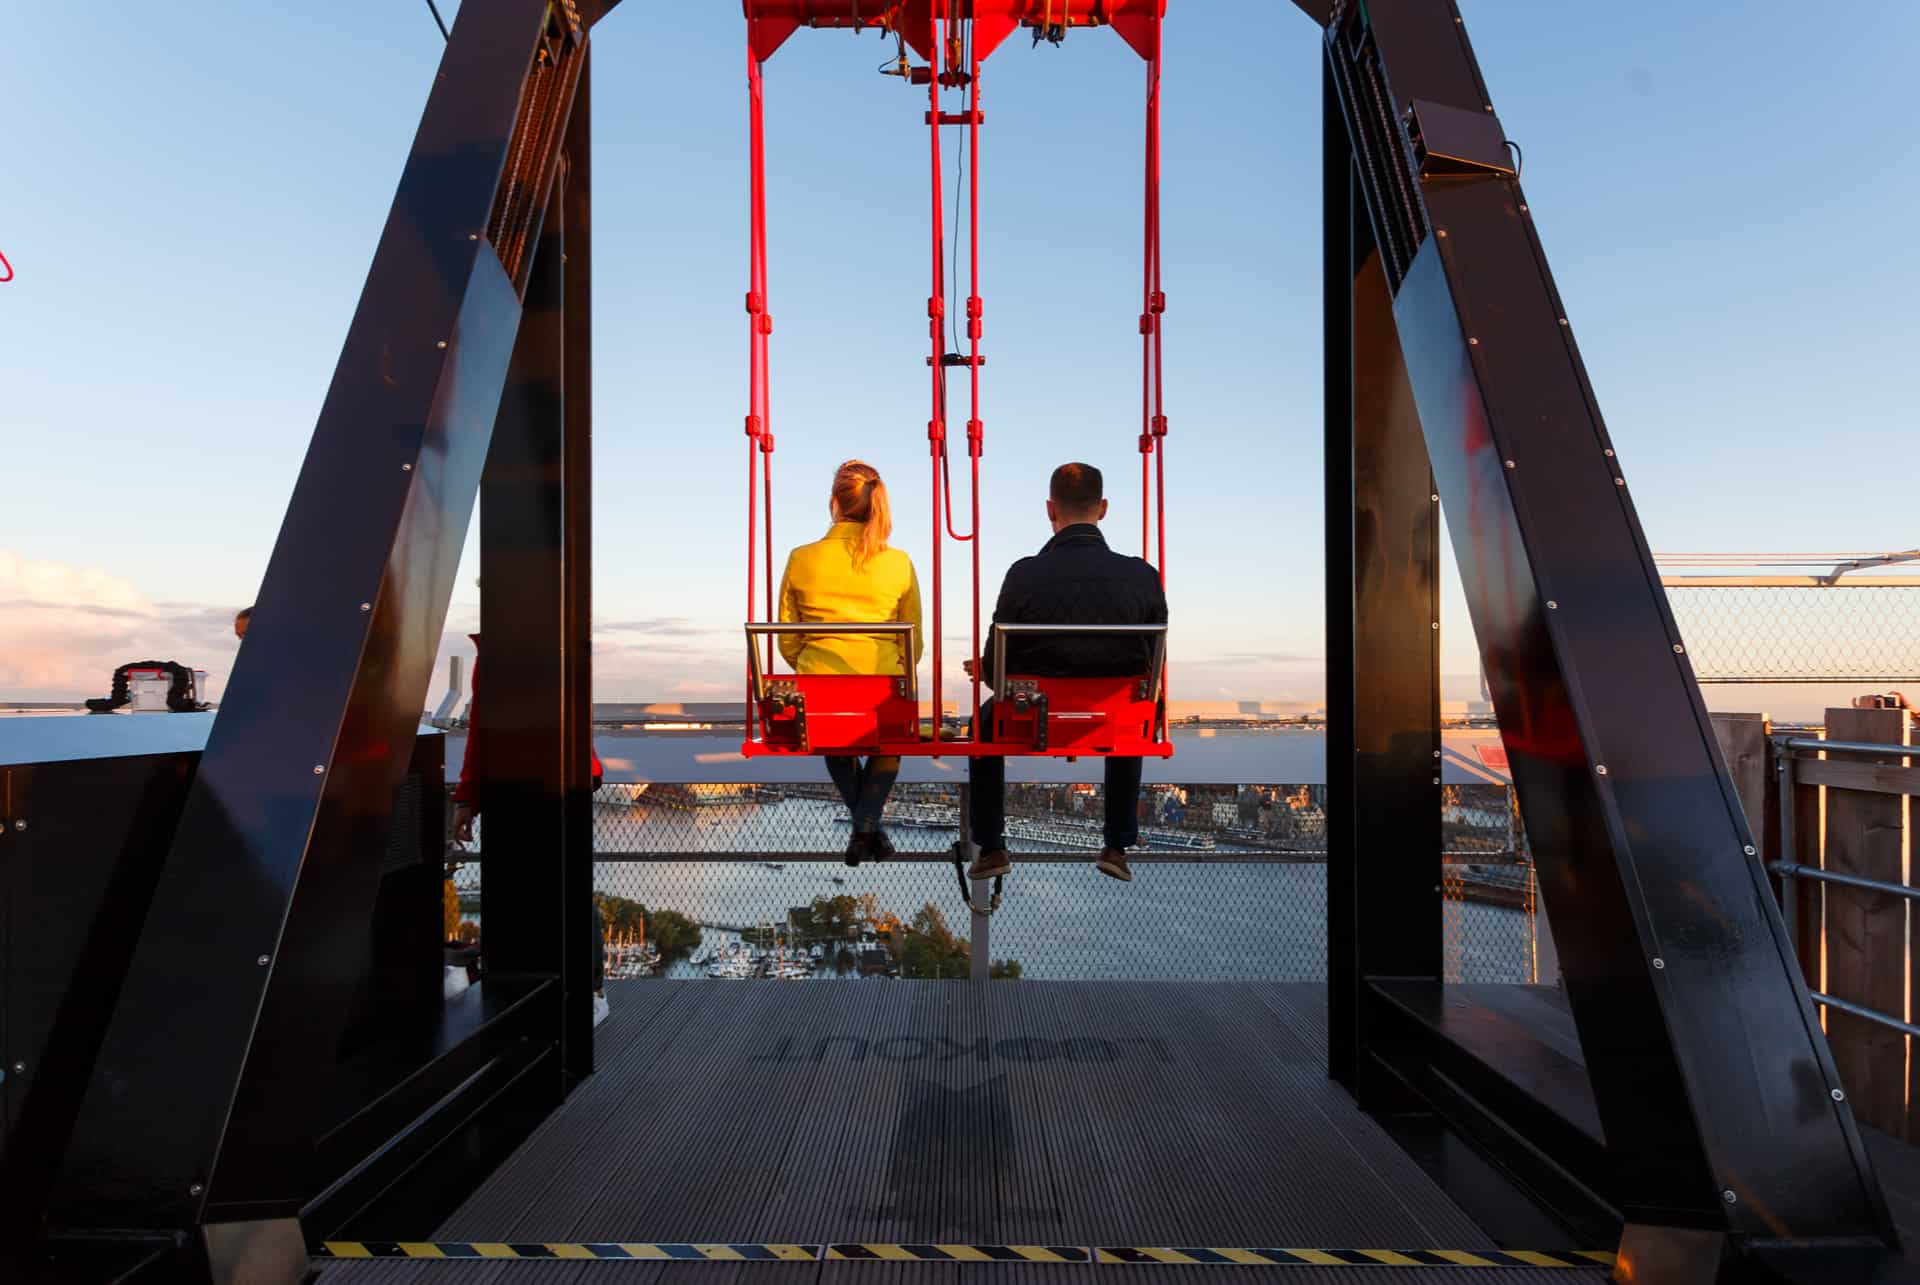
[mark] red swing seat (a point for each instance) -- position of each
(805, 714)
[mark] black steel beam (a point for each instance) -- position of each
(239, 985)
(1718, 1096)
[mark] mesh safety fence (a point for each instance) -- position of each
(1229, 883)
(1800, 634)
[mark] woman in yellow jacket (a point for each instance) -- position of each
(852, 575)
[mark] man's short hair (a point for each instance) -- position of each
(1077, 488)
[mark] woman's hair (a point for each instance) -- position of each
(862, 497)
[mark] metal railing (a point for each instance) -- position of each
(1791, 871)
(1230, 885)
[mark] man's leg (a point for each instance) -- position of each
(1122, 829)
(987, 803)
(875, 783)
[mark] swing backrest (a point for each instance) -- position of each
(1117, 714)
(833, 713)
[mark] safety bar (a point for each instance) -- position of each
(900, 629)
(1809, 745)
(1861, 1010)
(1156, 664)
(1793, 870)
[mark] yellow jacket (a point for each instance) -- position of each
(821, 583)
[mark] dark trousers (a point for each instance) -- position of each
(988, 777)
(864, 786)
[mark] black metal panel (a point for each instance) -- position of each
(1337, 214)
(1709, 1071)
(81, 847)
(582, 946)
(281, 837)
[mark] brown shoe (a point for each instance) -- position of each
(991, 865)
(1113, 864)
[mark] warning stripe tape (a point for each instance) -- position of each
(1115, 1255)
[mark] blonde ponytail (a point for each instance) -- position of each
(860, 496)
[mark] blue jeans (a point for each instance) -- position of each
(864, 786)
(987, 774)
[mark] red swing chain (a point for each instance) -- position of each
(759, 326)
(1153, 304)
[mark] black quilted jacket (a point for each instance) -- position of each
(1076, 579)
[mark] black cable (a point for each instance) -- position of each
(1519, 157)
(438, 20)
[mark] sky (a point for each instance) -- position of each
(190, 208)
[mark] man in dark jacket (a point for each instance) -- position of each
(1075, 579)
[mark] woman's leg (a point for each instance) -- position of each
(846, 774)
(876, 782)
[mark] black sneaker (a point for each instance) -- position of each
(881, 846)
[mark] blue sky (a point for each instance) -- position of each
(191, 207)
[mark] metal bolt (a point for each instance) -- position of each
(473, 236)
(1441, 232)
(1563, 321)
(19, 1068)
(1838, 1096)
(1619, 481)
(1729, 1197)
(21, 824)
(406, 468)
(1436, 624)
(1552, 605)
(366, 606)
(319, 769)
(1749, 849)
(1679, 650)
(1600, 769)
(1436, 780)
(1435, 497)
(262, 961)
(1509, 463)
(1608, 452)
(195, 1189)
(1436, 753)
(1473, 342)
(1659, 963)
(1523, 209)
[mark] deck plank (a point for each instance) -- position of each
(1127, 1113)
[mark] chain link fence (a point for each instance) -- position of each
(1773, 633)
(1230, 884)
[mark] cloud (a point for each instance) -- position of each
(1246, 659)
(65, 629)
(658, 626)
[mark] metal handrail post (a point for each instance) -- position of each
(1789, 884)
(979, 945)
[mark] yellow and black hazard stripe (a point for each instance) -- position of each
(615, 1250)
(961, 1253)
(1109, 1255)
(1350, 1257)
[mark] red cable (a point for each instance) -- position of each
(976, 430)
(1158, 301)
(757, 325)
(936, 307)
